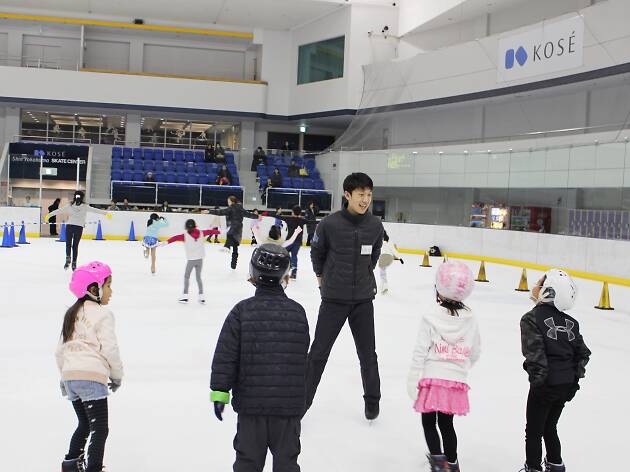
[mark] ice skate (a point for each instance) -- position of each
(73, 465)
(527, 468)
(146, 252)
(183, 299)
(384, 288)
(67, 264)
(202, 299)
(438, 463)
(372, 410)
(549, 467)
(454, 466)
(74, 265)
(294, 274)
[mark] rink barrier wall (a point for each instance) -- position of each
(587, 258)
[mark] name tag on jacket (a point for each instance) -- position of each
(366, 249)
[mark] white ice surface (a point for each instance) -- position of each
(161, 418)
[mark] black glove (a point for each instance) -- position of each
(114, 384)
(218, 410)
(401, 261)
(572, 391)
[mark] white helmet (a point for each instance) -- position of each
(558, 288)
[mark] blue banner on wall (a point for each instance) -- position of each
(59, 161)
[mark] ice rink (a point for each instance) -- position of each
(161, 419)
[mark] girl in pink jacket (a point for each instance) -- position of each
(448, 345)
(89, 362)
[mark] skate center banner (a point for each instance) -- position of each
(550, 46)
(59, 161)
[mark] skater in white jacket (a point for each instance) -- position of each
(389, 254)
(448, 345)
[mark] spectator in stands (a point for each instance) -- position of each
(165, 208)
(263, 191)
(286, 148)
(149, 177)
(209, 153)
(224, 176)
(294, 170)
(112, 207)
(311, 217)
(125, 205)
(219, 154)
(28, 202)
(53, 219)
(276, 178)
(259, 158)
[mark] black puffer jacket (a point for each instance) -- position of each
(344, 253)
(554, 350)
(234, 215)
(261, 355)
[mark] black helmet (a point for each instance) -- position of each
(269, 264)
(190, 224)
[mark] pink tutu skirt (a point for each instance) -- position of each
(444, 396)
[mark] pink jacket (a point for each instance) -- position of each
(92, 352)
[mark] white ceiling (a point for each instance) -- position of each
(241, 14)
(467, 10)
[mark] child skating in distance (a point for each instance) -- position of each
(389, 254)
(151, 239)
(555, 361)
(89, 362)
(261, 358)
(448, 345)
(194, 244)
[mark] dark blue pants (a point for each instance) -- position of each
(293, 252)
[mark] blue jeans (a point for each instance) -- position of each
(85, 390)
(293, 252)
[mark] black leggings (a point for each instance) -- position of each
(231, 242)
(92, 416)
(73, 237)
(445, 422)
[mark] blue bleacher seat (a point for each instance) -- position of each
(202, 178)
(127, 175)
(287, 182)
(147, 153)
(211, 167)
(137, 153)
(189, 156)
(179, 155)
(182, 178)
(158, 154)
(116, 175)
(236, 180)
(232, 169)
(229, 158)
(171, 177)
(138, 176)
(200, 156)
(169, 155)
(117, 151)
(314, 174)
(298, 182)
(308, 183)
(180, 167)
(283, 172)
(149, 165)
(200, 168)
(309, 164)
(127, 153)
(160, 177)
(212, 177)
(192, 179)
(319, 184)
(117, 163)
(128, 164)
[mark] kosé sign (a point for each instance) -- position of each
(545, 48)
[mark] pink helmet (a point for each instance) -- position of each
(92, 273)
(454, 281)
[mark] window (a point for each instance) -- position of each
(321, 61)
(165, 132)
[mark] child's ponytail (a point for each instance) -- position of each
(70, 318)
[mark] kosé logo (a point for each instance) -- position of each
(520, 55)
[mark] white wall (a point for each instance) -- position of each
(580, 254)
(414, 13)
(275, 68)
(124, 90)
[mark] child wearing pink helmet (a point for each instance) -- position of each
(89, 362)
(448, 345)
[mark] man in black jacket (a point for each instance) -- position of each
(234, 215)
(344, 253)
(555, 360)
(261, 357)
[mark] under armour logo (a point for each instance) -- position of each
(553, 329)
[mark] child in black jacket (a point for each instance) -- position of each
(261, 357)
(555, 359)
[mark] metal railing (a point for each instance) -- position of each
(278, 197)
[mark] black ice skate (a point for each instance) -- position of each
(527, 468)
(74, 265)
(294, 274)
(438, 463)
(67, 264)
(73, 465)
(371, 410)
(453, 466)
(549, 467)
